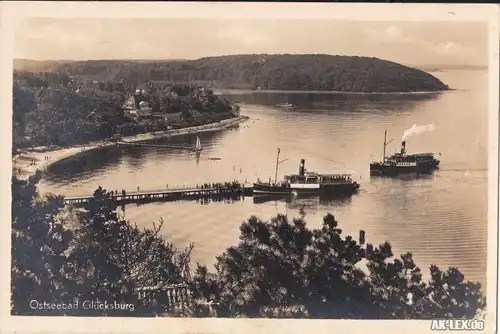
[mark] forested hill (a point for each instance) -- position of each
(269, 72)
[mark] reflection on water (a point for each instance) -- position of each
(440, 218)
(318, 99)
(302, 200)
(221, 199)
(86, 163)
(337, 103)
(91, 163)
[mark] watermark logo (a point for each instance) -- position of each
(457, 325)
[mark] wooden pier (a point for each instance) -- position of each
(169, 195)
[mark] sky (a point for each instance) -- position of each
(454, 43)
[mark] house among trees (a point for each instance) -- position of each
(130, 103)
(144, 109)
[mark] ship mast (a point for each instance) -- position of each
(277, 163)
(385, 144)
(385, 140)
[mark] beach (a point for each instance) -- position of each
(28, 161)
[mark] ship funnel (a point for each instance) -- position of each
(302, 167)
(403, 147)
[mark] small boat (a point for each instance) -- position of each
(214, 158)
(308, 183)
(284, 105)
(403, 163)
(197, 147)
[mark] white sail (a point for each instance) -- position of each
(198, 146)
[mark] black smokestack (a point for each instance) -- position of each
(403, 147)
(302, 167)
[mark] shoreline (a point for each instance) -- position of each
(235, 91)
(29, 161)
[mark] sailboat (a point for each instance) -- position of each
(197, 147)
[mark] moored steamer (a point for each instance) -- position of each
(310, 183)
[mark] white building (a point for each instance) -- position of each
(144, 109)
(129, 103)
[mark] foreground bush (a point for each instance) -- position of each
(283, 269)
(62, 257)
(279, 269)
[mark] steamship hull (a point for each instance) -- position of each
(379, 169)
(307, 183)
(306, 189)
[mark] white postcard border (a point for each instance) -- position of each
(12, 12)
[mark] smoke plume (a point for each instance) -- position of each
(417, 129)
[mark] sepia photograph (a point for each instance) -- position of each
(202, 166)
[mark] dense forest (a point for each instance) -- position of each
(52, 116)
(280, 269)
(269, 72)
(49, 110)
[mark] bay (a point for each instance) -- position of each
(441, 219)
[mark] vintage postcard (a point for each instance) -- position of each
(249, 167)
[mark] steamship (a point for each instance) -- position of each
(310, 183)
(403, 163)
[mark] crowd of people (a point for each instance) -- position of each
(216, 185)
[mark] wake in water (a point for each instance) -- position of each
(463, 170)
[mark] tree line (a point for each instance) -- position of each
(279, 268)
(273, 72)
(46, 112)
(61, 117)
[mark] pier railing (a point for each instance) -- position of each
(170, 187)
(201, 191)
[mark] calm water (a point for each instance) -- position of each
(441, 219)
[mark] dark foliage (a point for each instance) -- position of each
(92, 255)
(279, 268)
(47, 112)
(23, 103)
(39, 243)
(283, 269)
(44, 115)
